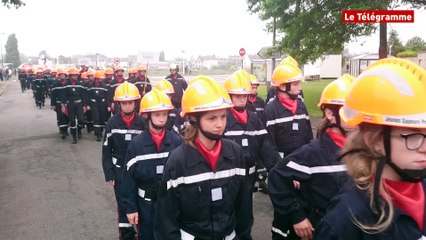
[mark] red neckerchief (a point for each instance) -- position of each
(120, 79)
(108, 80)
(97, 83)
(241, 117)
(142, 78)
(174, 77)
(212, 156)
(408, 197)
(158, 138)
(252, 99)
(63, 82)
(127, 121)
(290, 104)
(73, 82)
(338, 138)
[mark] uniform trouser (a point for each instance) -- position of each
(88, 120)
(99, 112)
(282, 229)
(61, 118)
(146, 219)
(125, 229)
(23, 84)
(75, 110)
(39, 95)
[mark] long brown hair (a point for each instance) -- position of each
(361, 166)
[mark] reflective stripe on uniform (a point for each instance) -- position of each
(276, 230)
(121, 131)
(124, 225)
(319, 169)
(287, 119)
(114, 161)
(205, 176)
(146, 157)
(249, 133)
(252, 170)
(186, 236)
(141, 194)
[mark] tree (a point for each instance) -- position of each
(394, 43)
(162, 56)
(312, 29)
(416, 44)
(12, 52)
(15, 3)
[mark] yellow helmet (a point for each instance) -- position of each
(242, 74)
(132, 70)
(84, 75)
(200, 77)
(253, 80)
(237, 84)
(204, 95)
(389, 92)
(126, 92)
(286, 73)
(109, 71)
(99, 75)
(336, 91)
(165, 87)
(155, 101)
(289, 59)
(73, 71)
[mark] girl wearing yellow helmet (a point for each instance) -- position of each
(385, 156)
(145, 160)
(119, 131)
(204, 193)
(315, 167)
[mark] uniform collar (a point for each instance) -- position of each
(196, 157)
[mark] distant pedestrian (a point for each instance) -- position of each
(179, 85)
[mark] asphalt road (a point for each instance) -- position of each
(52, 189)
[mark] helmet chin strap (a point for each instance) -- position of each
(287, 90)
(209, 135)
(156, 127)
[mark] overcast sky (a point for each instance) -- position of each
(119, 28)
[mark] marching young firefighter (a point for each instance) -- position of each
(118, 79)
(58, 102)
(145, 160)
(40, 87)
(173, 119)
(256, 103)
(205, 193)
(315, 167)
(97, 97)
(119, 132)
(88, 116)
(287, 119)
(76, 98)
(109, 73)
(179, 85)
(247, 130)
(385, 156)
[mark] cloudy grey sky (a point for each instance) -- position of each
(119, 28)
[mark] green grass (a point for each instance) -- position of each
(312, 92)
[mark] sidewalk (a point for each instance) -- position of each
(3, 86)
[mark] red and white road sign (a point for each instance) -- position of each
(116, 61)
(242, 52)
